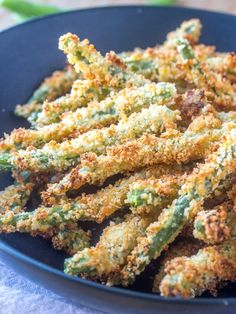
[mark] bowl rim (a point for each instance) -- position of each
(6, 248)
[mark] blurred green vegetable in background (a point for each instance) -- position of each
(163, 2)
(23, 10)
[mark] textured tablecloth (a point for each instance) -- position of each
(18, 295)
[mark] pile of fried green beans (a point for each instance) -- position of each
(154, 132)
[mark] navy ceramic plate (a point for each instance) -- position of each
(27, 54)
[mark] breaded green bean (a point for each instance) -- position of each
(216, 225)
(146, 195)
(28, 110)
(98, 115)
(190, 30)
(199, 185)
(15, 197)
(80, 95)
(181, 247)
(221, 89)
(147, 66)
(161, 64)
(60, 156)
(109, 71)
(151, 194)
(83, 92)
(188, 277)
(114, 67)
(118, 191)
(146, 61)
(71, 240)
(112, 71)
(104, 75)
(224, 63)
(193, 144)
(98, 263)
(116, 242)
(104, 262)
(56, 85)
(95, 207)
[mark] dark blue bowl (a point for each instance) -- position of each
(28, 53)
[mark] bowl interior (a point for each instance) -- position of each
(29, 52)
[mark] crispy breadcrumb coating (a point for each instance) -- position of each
(203, 181)
(188, 277)
(83, 92)
(54, 86)
(96, 115)
(94, 207)
(216, 225)
(71, 240)
(181, 247)
(152, 194)
(147, 150)
(60, 156)
(105, 259)
(15, 197)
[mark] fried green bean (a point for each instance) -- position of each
(87, 90)
(104, 262)
(82, 93)
(109, 71)
(28, 110)
(56, 85)
(148, 62)
(60, 156)
(208, 66)
(189, 30)
(193, 144)
(146, 195)
(109, 111)
(90, 262)
(182, 247)
(188, 277)
(95, 207)
(15, 197)
(116, 242)
(221, 89)
(103, 75)
(199, 185)
(216, 225)
(71, 240)
(224, 63)
(151, 194)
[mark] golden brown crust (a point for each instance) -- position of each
(191, 276)
(181, 247)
